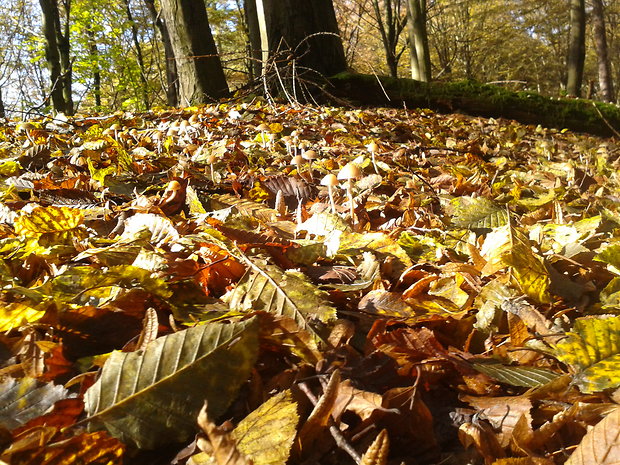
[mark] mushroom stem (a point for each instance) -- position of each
(350, 195)
(330, 191)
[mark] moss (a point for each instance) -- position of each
(481, 100)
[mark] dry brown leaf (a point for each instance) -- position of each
(503, 413)
(223, 446)
(362, 403)
(601, 445)
(316, 425)
(377, 453)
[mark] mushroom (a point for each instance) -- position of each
(350, 172)
(264, 129)
(310, 155)
(330, 181)
(373, 147)
(211, 159)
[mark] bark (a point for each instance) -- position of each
(57, 54)
(2, 112)
(605, 81)
(306, 30)
(94, 52)
(201, 76)
(576, 47)
(254, 36)
(140, 57)
(172, 90)
(418, 41)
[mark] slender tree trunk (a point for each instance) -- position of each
(390, 25)
(172, 90)
(308, 29)
(139, 56)
(605, 81)
(94, 53)
(2, 112)
(57, 53)
(254, 36)
(201, 76)
(418, 41)
(576, 47)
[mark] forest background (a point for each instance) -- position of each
(117, 56)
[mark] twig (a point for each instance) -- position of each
(335, 432)
(605, 120)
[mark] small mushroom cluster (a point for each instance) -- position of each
(348, 173)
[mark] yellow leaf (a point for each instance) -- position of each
(48, 220)
(266, 435)
(16, 314)
(276, 128)
(592, 349)
(527, 268)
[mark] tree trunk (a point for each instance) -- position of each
(2, 112)
(57, 54)
(254, 36)
(477, 99)
(576, 47)
(201, 76)
(94, 53)
(605, 82)
(418, 41)
(140, 57)
(172, 91)
(390, 25)
(307, 29)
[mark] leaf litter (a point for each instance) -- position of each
(455, 301)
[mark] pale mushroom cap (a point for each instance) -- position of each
(349, 171)
(263, 127)
(329, 180)
(310, 155)
(297, 160)
(372, 147)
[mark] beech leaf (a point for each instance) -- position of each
(152, 397)
(266, 435)
(25, 399)
(600, 445)
(592, 349)
(285, 293)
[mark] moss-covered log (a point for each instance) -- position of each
(480, 100)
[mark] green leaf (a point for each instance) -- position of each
(516, 375)
(82, 281)
(592, 349)
(286, 293)
(152, 397)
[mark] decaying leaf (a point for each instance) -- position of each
(26, 399)
(377, 453)
(601, 445)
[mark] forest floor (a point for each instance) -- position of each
(456, 302)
